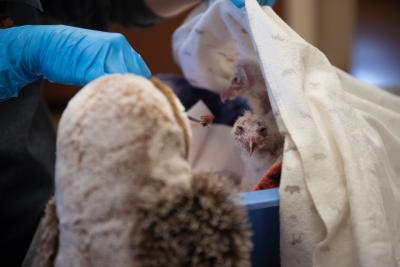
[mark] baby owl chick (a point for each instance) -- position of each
(255, 132)
(261, 145)
(247, 81)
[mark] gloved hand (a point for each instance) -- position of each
(240, 3)
(62, 54)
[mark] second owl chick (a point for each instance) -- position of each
(247, 80)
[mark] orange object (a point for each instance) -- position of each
(6, 22)
(271, 178)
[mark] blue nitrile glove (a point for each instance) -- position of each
(240, 3)
(62, 54)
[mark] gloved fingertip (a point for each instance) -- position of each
(240, 3)
(270, 2)
(144, 69)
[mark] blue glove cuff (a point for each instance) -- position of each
(240, 3)
(14, 72)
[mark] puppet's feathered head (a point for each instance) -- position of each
(125, 193)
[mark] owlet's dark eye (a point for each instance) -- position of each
(236, 80)
(239, 130)
(262, 131)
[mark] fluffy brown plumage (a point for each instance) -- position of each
(44, 246)
(199, 226)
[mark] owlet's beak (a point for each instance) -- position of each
(225, 95)
(229, 93)
(251, 147)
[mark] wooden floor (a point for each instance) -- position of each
(376, 53)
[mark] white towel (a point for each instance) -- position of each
(340, 188)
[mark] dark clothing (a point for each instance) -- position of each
(27, 150)
(33, 3)
(20, 13)
(226, 113)
(27, 136)
(98, 14)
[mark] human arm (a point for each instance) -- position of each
(62, 54)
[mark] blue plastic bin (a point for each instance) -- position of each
(263, 211)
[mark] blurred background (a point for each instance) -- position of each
(359, 36)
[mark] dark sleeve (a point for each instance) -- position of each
(225, 113)
(34, 3)
(98, 14)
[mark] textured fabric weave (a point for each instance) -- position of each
(340, 186)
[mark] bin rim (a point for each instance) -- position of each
(261, 199)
